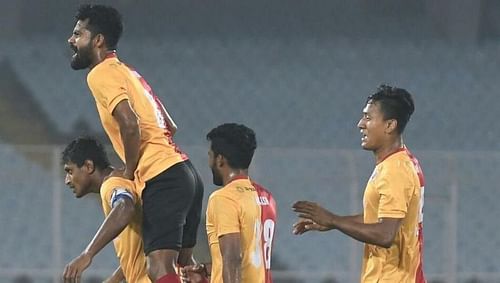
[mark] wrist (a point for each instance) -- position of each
(332, 223)
(88, 253)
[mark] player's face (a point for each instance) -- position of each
(372, 127)
(81, 44)
(77, 178)
(216, 175)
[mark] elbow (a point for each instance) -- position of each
(385, 241)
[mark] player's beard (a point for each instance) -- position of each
(82, 58)
(216, 177)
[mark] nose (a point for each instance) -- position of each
(361, 123)
(71, 39)
(67, 180)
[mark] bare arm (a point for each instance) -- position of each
(113, 225)
(230, 249)
(131, 136)
(380, 234)
(358, 218)
(305, 225)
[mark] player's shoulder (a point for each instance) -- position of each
(113, 182)
(262, 191)
(397, 166)
(227, 193)
(102, 70)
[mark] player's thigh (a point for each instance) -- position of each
(166, 202)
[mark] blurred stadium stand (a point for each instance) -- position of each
(299, 75)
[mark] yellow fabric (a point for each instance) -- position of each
(235, 209)
(394, 191)
(111, 82)
(128, 245)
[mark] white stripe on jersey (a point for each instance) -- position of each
(119, 193)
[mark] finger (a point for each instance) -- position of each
(299, 204)
(68, 273)
(299, 231)
(298, 225)
(305, 215)
(303, 204)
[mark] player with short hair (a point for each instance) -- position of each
(89, 171)
(241, 216)
(141, 131)
(391, 222)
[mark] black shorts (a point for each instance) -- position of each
(171, 208)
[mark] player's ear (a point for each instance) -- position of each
(89, 166)
(99, 40)
(220, 160)
(391, 126)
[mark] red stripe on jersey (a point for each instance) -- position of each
(419, 277)
(161, 108)
(268, 220)
(415, 162)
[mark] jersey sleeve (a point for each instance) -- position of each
(114, 189)
(108, 86)
(394, 190)
(225, 214)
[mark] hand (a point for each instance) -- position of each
(305, 225)
(73, 270)
(193, 273)
(314, 212)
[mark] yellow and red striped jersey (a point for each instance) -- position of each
(111, 82)
(396, 190)
(249, 209)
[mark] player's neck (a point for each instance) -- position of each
(101, 176)
(387, 149)
(234, 174)
(101, 55)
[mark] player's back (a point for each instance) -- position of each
(248, 209)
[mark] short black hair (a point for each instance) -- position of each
(85, 148)
(235, 142)
(104, 20)
(395, 103)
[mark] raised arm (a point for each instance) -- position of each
(130, 134)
